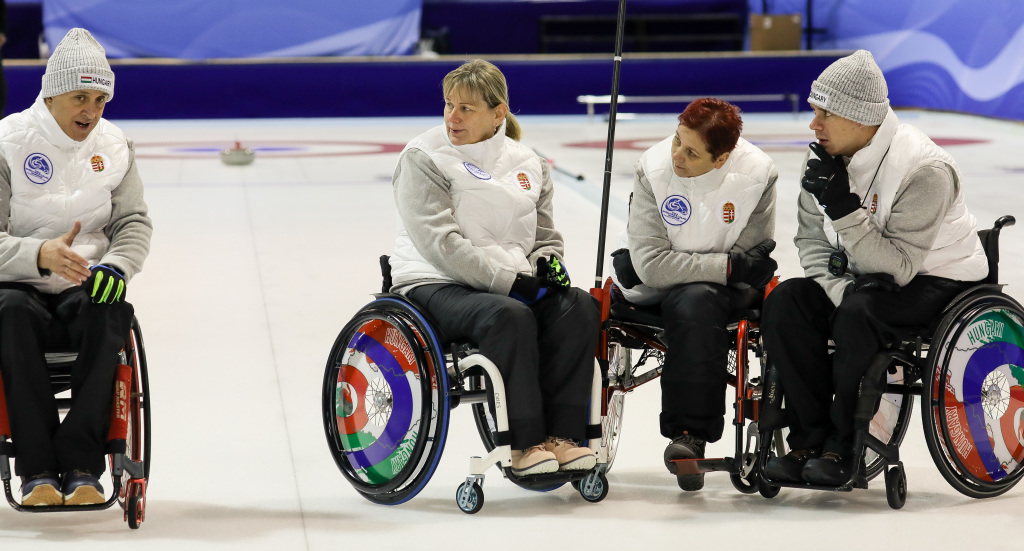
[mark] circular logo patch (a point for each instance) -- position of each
(675, 210)
(38, 168)
(477, 171)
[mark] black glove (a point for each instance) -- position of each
(754, 267)
(827, 180)
(553, 271)
(529, 289)
(872, 282)
(105, 285)
(624, 270)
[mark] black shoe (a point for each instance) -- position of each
(831, 469)
(686, 446)
(41, 489)
(789, 467)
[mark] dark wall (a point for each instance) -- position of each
(538, 86)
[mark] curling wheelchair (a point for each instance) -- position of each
(128, 438)
(968, 368)
(389, 386)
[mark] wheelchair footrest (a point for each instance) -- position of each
(700, 466)
(546, 480)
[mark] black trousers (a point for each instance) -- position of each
(821, 390)
(694, 377)
(30, 322)
(545, 353)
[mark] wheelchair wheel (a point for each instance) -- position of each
(385, 401)
(889, 424)
(138, 442)
(620, 361)
(973, 410)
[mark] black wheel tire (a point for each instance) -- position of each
(896, 487)
(575, 485)
(475, 500)
(744, 485)
(134, 512)
(601, 489)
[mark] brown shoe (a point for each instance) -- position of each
(533, 461)
(570, 456)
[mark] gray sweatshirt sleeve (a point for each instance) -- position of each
(651, 250)
(130, 228)
(548, 240)
(761, 224)
(19, 256)
(428, 214)
(918, 210)
(899, 249)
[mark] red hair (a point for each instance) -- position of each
(716, 122)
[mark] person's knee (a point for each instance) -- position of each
(789, 294)
(18, 306)
(512, 316)
(698, 302)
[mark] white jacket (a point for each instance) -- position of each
(55, 181)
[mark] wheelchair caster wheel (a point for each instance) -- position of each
(575, 485)
(594, 487)
(767, 491)
(896, 487)
(470, 497)
(134, 512)
(744, 485)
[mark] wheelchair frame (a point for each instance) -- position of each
(388, 348)
(128, 441)
(925, 364)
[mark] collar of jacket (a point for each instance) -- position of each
(52, 131)
(483, 153)
(864, 163)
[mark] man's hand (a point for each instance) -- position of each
(872, 282)
(105, 285)
(827, 180)
(56, 256)
(754, 267)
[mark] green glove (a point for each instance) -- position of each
(105, 285)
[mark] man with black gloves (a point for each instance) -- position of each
(74, 229)
(885, 241)
(699, 237)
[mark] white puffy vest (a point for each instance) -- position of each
(957, 252)
(56, 180)
(705, 214)
(495, 186)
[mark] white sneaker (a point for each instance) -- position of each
(570, 456)
(533, 460)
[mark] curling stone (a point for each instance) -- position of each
(237, 155)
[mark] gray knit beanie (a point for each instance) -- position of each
(853, 88)
(78, 63)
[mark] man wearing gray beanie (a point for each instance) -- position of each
(74, 229)
(886, 242)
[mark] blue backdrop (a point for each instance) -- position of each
(200, 29)
(961, 55)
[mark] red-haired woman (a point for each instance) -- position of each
(701, 222)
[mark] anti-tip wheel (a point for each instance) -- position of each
(469, 497)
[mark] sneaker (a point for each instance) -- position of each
(570, 456)
(831, 469)
(789, 467)
(533, 460)
(41, 489)
(81, 487)
(686, 446)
